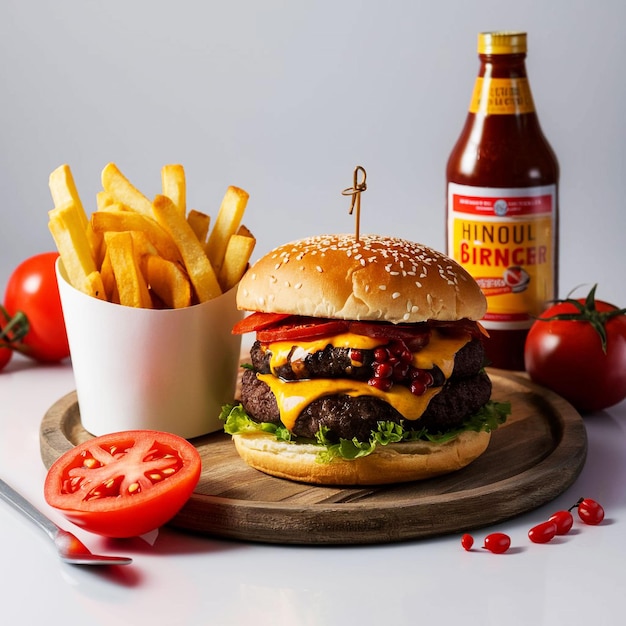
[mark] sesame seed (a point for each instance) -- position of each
(318, 268)
(382, 287)
(395, 295)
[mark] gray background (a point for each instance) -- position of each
(285, 98)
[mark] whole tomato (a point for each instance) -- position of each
(577, 348)
(32, 290)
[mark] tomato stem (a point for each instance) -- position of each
(13, 330)
(575, 506)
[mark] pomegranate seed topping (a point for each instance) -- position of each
(382, 384)
(417, 388)
(381, 355)
(400, 371)
(356, 355)
(383, 370)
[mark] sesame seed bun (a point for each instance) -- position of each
(375, 278)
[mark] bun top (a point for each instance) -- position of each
(375, 278)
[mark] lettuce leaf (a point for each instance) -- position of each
(488, 418)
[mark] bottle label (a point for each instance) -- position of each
(501, 96)
(505, 238)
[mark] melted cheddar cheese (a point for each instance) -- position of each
(293, 396)
(283, 352)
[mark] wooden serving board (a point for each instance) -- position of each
(531, 459)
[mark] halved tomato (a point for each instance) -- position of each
(124, 484)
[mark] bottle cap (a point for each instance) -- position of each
(502, 42)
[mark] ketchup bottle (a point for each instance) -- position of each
(502, 199)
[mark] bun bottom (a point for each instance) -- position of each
(393, 463)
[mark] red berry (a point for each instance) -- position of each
(497, 543)
(563, 520)
(417, 388)
(400, 371)
(542, 533)
(590, 511)
(356, 355)
(382, 384)
(383, 370)
(381, 355)
(467, 541)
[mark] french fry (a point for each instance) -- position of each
(63, 191)
(142, 244)
(226, 224)
(95, 286)
(96, 243)
(108, 279)
(131, 284)
(198, 266)
(168, 281)
(75, 250)
(199, 223)
(244, 231)
(238, 253)
(119, 221)
(104, 200)
(120, 188)
(174, 186)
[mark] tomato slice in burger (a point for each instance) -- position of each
(302, 328)
(124, 484)
(257, 320)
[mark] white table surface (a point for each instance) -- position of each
(186, 579)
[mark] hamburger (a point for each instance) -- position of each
(367, 365)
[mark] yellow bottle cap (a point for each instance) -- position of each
(502, 42)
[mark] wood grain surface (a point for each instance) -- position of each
(531, 459)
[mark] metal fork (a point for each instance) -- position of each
(70, 548)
